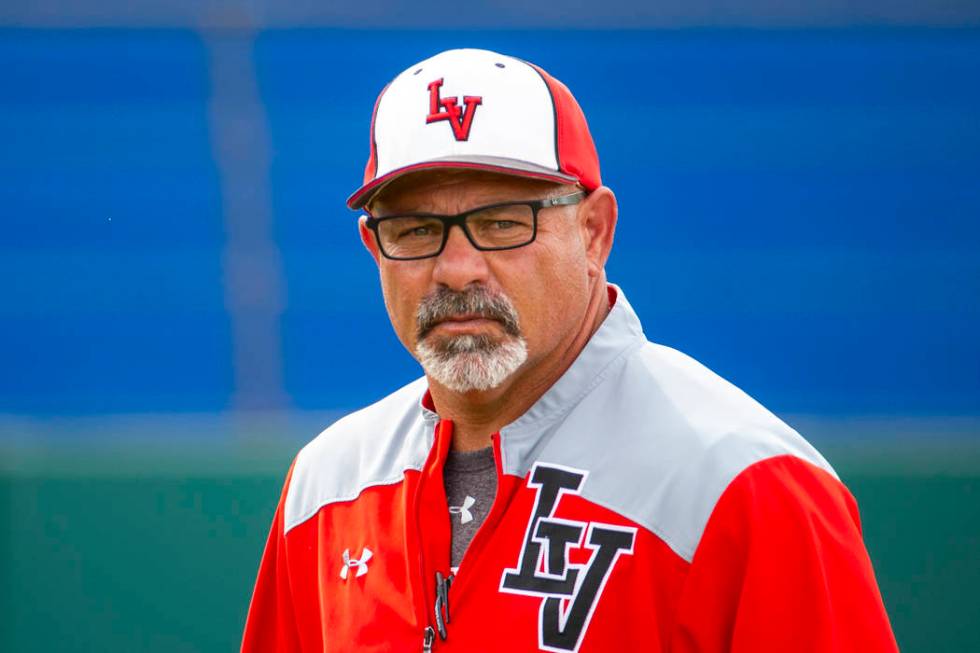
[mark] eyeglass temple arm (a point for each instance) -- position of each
(563, 200)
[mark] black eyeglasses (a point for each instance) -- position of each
(508, 225)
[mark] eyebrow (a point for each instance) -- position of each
(489, 203)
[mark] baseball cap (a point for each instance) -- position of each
(481, 110)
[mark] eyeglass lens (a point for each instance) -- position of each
(491, 228)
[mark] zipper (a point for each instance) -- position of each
(440, 609)
(421, 604)
(428, 638)
(420, 588)
(437, 621)
(442, 603)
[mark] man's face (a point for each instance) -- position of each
(475, 318)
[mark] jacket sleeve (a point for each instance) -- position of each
(781, 566)
(271, 623)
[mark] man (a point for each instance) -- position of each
(555, 482)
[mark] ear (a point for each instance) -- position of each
(367, 237)
(597, 219)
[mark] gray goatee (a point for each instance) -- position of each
(469, 362)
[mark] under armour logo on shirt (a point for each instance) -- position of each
(361, 564)
(465, 516)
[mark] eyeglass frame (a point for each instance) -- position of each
(459, 220)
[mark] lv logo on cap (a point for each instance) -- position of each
(448, 109)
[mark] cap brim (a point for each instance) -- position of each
(500, 165)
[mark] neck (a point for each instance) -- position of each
(477, 415)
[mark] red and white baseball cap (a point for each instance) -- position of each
(481, 110)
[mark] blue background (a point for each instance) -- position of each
(798, 210)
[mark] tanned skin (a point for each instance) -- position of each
(557, 284)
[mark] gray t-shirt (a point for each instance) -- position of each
(471, 485)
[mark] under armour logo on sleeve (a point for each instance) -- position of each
(360, 565)
(465, 516)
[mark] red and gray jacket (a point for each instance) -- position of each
(643, 504)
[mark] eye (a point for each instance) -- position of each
(416, 231)
(403, 229)
(502, 219)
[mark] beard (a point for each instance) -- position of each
(469, 362)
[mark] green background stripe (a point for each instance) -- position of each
(152, 548)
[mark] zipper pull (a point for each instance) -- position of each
(442, 603)
(427, 639)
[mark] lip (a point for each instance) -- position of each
(467, 317)
(466, 324)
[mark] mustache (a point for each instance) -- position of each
(443, 304)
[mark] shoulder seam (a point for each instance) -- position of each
(736, 477)
(350, 497)
(652, 528)
(673, 542)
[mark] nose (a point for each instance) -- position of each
(460, 264)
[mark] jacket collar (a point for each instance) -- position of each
(619, 334)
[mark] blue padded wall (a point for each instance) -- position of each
(798, 210)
